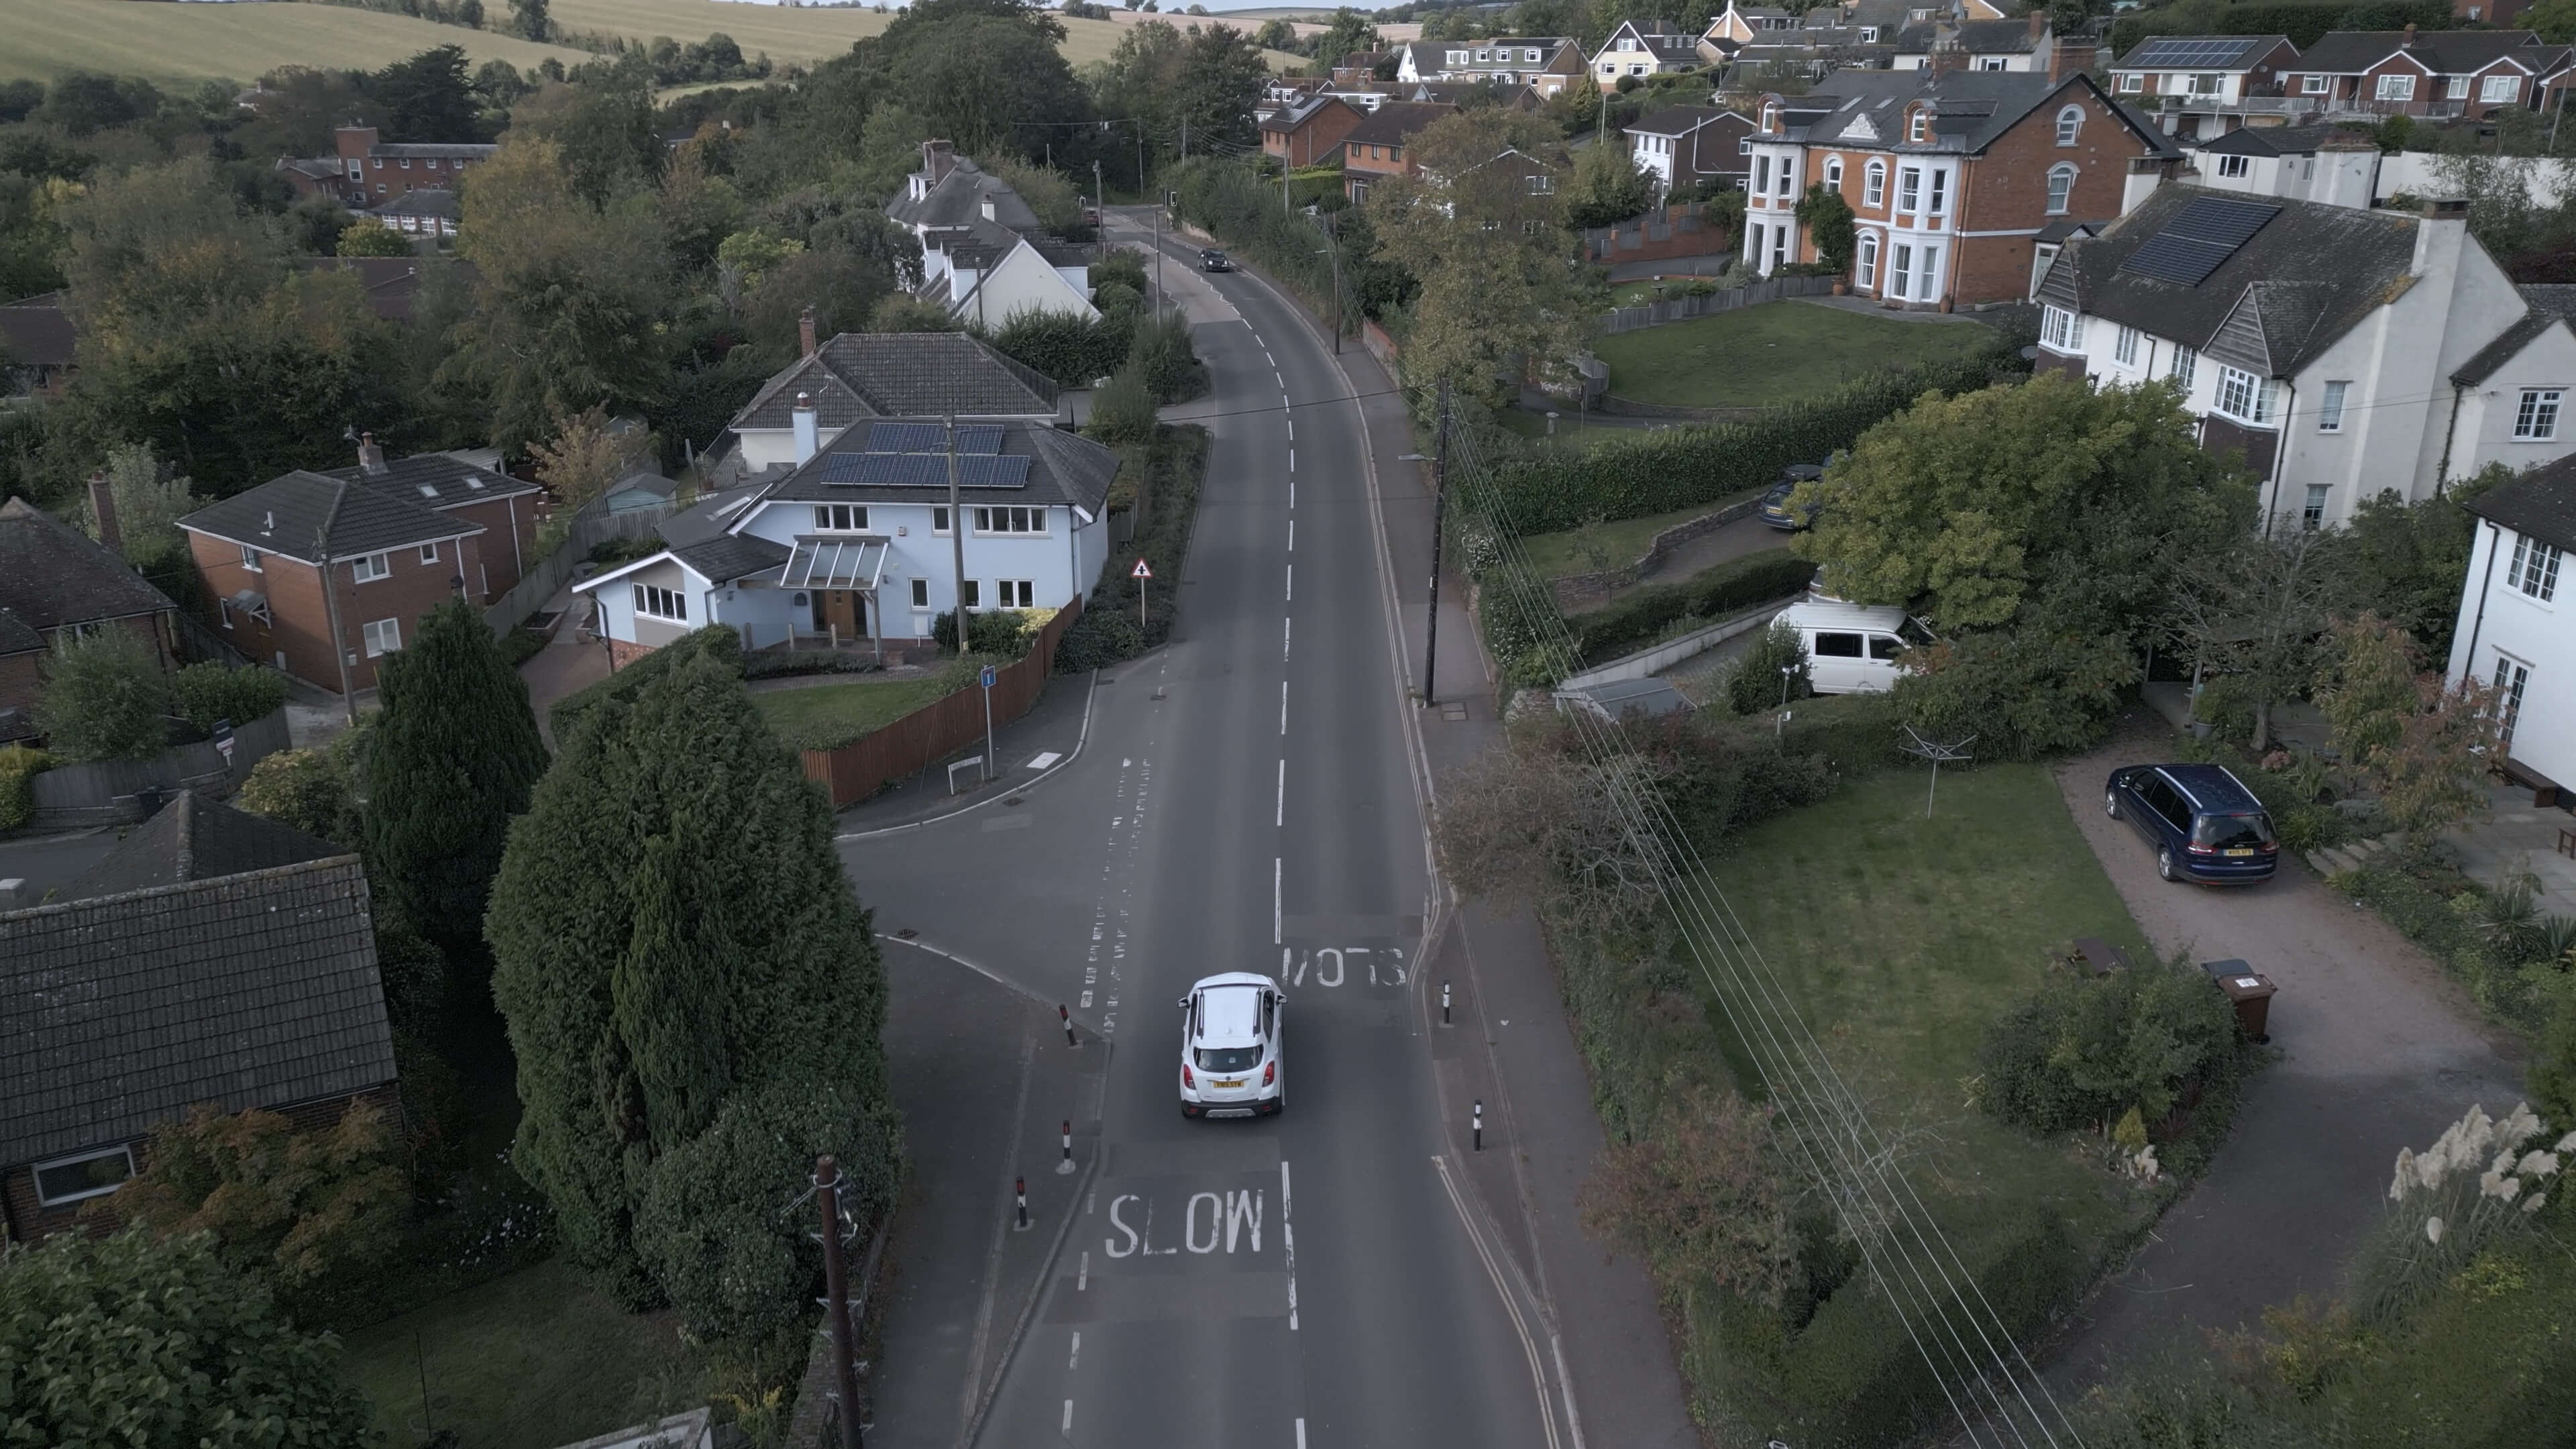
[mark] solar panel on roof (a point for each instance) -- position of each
(926, 470)
(2199, 241)
(932, 438)
(2192, 52)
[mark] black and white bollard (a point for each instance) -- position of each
(1480, 1124)
(1067, 1018)
(1066, 1166)
(1020, 1190)
(1444, 1003)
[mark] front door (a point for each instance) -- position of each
(839, 610)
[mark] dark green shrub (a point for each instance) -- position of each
(1109, 630)
(809, 661)
(1161, 354)
(104, 697)
(1070, 348)
(2085, 1050)
(521, 645)
(1846, 731)
(1638, 619)
(2022, 692)
(1120, 267)
(19, 766)
(995, 633)
(718, 640)
(208, 692)
(1771, 673)
(1122, 411)
(1100, 638)
(1547, 490)
(609, 553)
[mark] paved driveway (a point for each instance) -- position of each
(2376, 1050)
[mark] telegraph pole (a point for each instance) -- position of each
(836, 1295)
(1439, 507)
(1099, 198)
(340, 644)
(957, 536)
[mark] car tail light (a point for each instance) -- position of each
(1186, 1079)
(2197, 848)
(1269, 1073)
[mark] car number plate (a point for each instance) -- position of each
(1236, 1083)
(2240, 852)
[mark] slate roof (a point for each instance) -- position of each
(251, 990)
(2443, 52)
(1662, 46)
(2213, 53)
(435, 480)
(430, 201)
(711, 515)
(1064, 469)
(16, 636)
(2278, 140)
(1974, 37)
(730, 556)
(891, 374)
(52, 574)
(959, 198)
(2308, 276)
(1395, 122)
(1679, 120)
(36, 332)
(1971, 109)
(195, 839)
(285, 514)
(2541, 503)
(2549, 306)
(1289, 118)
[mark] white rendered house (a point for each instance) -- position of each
(2514, 633)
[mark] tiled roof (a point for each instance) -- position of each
(1064, 469)
(1395, 122)
(2442, 52)
(195, 839)
(2541, 503)
(435, 480)
(17, 636)
(959, 197)
(36, 332)
(730, 556)
(711, 515)
(52, 574)
(1679, 120)
(2548, 307)
(252, 990)
(2306, 277)
(285, 514)
(430, 201)
(2276, 140)
(888, 374)
(1975, 37)
(1291, 117)
(2200, 52)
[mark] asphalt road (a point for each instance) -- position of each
(1245, 800)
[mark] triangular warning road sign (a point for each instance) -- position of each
(1141, 572)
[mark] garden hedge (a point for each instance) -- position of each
(1544, 491)
(1633, 622)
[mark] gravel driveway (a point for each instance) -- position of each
(2376, 1050)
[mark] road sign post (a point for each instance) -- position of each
(986, 679)
(1140, 574)
(222, 735)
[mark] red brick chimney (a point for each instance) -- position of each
(2409, 41)
(2068, 57)
(2038, 23)
(371, 459)
(1947, 59)
(102, 502)
(805, 331)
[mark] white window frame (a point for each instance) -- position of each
(1937, 188)
(2393, 87)
(2061, 188)
(1873, 184)
(2499, 89)
(2124, 346)
(2070, 124)
(37, 1175)
(368, 568)
(2245, 397)
(1762, 174)
(2186, 367)
(1909, 189)
(974, 593)
(2315, 85)
(2512, 680)
(428, 553)
(2455, 88)
(652, 601)
(2533, 573)
(2132, 83)
(1016, 593)
(1865, 260)
(1900, 271)
(1918, 126)
(2535, 418)
(2330, 404)
(2061, 330)
(381, 637)
(1928, 289)
(250, 558)
(2312, 515)
(1833, 173)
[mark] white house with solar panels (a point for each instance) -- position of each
(2201, 86)
(2340, 352)
(853, 545)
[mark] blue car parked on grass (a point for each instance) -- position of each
(2205, 825)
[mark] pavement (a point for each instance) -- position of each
(571, 662)
(2374, 1050)
(1319, 1277)
(2514, 838)
(1032, 750)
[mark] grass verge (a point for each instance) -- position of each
(528, 1361)
(1610, 545)
(1779, 351)
(821, 716)
(1571, 431)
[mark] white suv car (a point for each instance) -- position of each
(1230, 1038)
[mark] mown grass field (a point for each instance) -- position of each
(1756, 356)
(41, 39)
(803, 33)
(817, 717)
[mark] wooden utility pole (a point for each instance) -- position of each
(331, 609)
(1439, 508)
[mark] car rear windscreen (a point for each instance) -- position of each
(2232, 832)
(1229, 1059)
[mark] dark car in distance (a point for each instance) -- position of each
(2204, 824)
(1776, 511)
(1212, 260)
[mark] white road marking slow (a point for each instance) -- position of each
(1288, 1249)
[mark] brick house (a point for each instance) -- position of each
(2343, 352)
(2436, 74)
(1378, 148)
(213, 958)
(367, 172)
(1307, 133)
(2026, 44)
(505, 507)
(1692, 146)
(322, 575)
(1548, 64)
(55, 579)
(2205, 85)
(1953, 175)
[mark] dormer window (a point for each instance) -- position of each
(1918, 126)
(1770, 118)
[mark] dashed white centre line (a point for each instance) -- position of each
(1292, 535)
(1292, 465)
(1082, 1284)
(1068, 1418)
(1279, 816)
(1076, 1356)
(1274, 940)
(1286, 627)
(1288, 1242)
(1301, 1434)
(1292, 583)
(1283, 709)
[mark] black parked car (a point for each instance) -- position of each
(2205, 825)
(1775, 504)
(1212, 260)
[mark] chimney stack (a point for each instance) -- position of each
(805, 331)
(2068, 57)
(1947, 59)
(371, 459)
(808, 435)
(102, 502)
(988, 210)
(2038, 23)
(2409, 42)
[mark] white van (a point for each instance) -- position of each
(1851, 648)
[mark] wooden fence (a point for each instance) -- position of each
(69, 797)
(591, 527)
(1753, 294)
(857, 770)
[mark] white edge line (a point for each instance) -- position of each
(1089, 698)
(1502, 1290)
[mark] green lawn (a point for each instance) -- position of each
(824, 715)
(188, 43)
(1556, 555)
(1571, 430)
(1899, 938)
(529, 1361)
(1779, 351)
(811, 33)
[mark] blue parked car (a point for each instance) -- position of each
(1776, 511)
(2205, 825)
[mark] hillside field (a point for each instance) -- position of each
(809, 33)
(241, 42)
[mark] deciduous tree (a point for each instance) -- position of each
(2253, 611)
(284, 1206)
(2421, 745)
(105, 697)
(368, 237)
